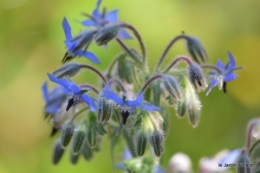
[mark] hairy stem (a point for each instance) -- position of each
(94, 70)
(90, 87)
(212, 67)
(118, 82)
(174, 62)
(158, 76)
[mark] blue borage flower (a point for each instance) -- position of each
(72, 44)
(75, 90)
(127, 105)
(99, 20)
(54, 99)
(228, 74)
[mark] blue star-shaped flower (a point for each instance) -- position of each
(74, 45)
(126, 105)
(98, 20)
(75, 90)
(227, 75)
(54, 99)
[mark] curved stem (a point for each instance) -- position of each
(212, 67)
(138, 36)
(78, 113)
(254, 146)
(112, 65)
(94, 70)
(174, 62)
(158, 76)
(249, 133)
(118, 82)
(174, 40)
(90, 87)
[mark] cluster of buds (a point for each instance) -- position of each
(83, 113)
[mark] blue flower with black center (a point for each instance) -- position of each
(77, 92)
(128, 104)
(98, 20)
(78, 45)
(227, 74)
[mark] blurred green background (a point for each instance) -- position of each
(31, 44)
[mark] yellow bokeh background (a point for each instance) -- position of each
(31, 44)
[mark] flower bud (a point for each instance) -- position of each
(66, 134)
(106, 34)
(91, 135)
(196, 77)
(141, 141)
(196, 50)
(105, 109)
(74, 158)
(156, 92)
(156, 141)
(181, 107)
(125, 69)
(172, 86)
(86, 151)
(79, 137)
(57, 152)
(67, 70)
(83, 40)
(244, 164)
(179, 163)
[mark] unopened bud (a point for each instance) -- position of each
(141, 144)
(105, 110)
(74, 158)
(194, 107)
(172, 86)
(244, 164)
(57, 152)
(156, 141)
(67, 70)
(179, 163)
(125, 69)
(78, 140)
(181, 107)
(196, 77)
(66, 134)
(86, 151)
(156, 92)
(82, 40)
(196, 50)
(106, 34)
(91, 135)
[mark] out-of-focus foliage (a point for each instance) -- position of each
(31, 43)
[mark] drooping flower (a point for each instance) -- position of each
(77, 46)
(128, 104)
(99, 20)
(227, 74)
(77, 92)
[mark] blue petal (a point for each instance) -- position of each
(90, 56)
(124, 35)
(110, 95)
(212, 85)
(45, 92)
(61, 82)
(95, 13)
(137, 101)
(230, 77)
(149, 107)
(66, 28)
(90, 102)
(120, 166)
(158, 169)
(112, 16)
(232, 62)
(89, 23)
(231, 157)
(74, 88)
(220, 65)
(127, 154)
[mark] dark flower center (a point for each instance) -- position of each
(125, 115)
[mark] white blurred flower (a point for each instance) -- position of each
(179, 163)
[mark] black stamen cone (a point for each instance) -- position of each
(66, 58)
(224, 87)
(71, 102)
(53, 131)
(125, 115)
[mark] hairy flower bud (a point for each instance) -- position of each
(91, 135)
(196, 50)
(156, 141)
(106, 34)
(156, 92)
(66, 134)
(83, 40)
(105, 109)
(86, 151)
(172, 86)
(244, 164)
(67, 70)
(141, 141)
(125, 69)
(57, 152)
(181, 107)
(196, 77)
(79, 137)
(74, 158)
